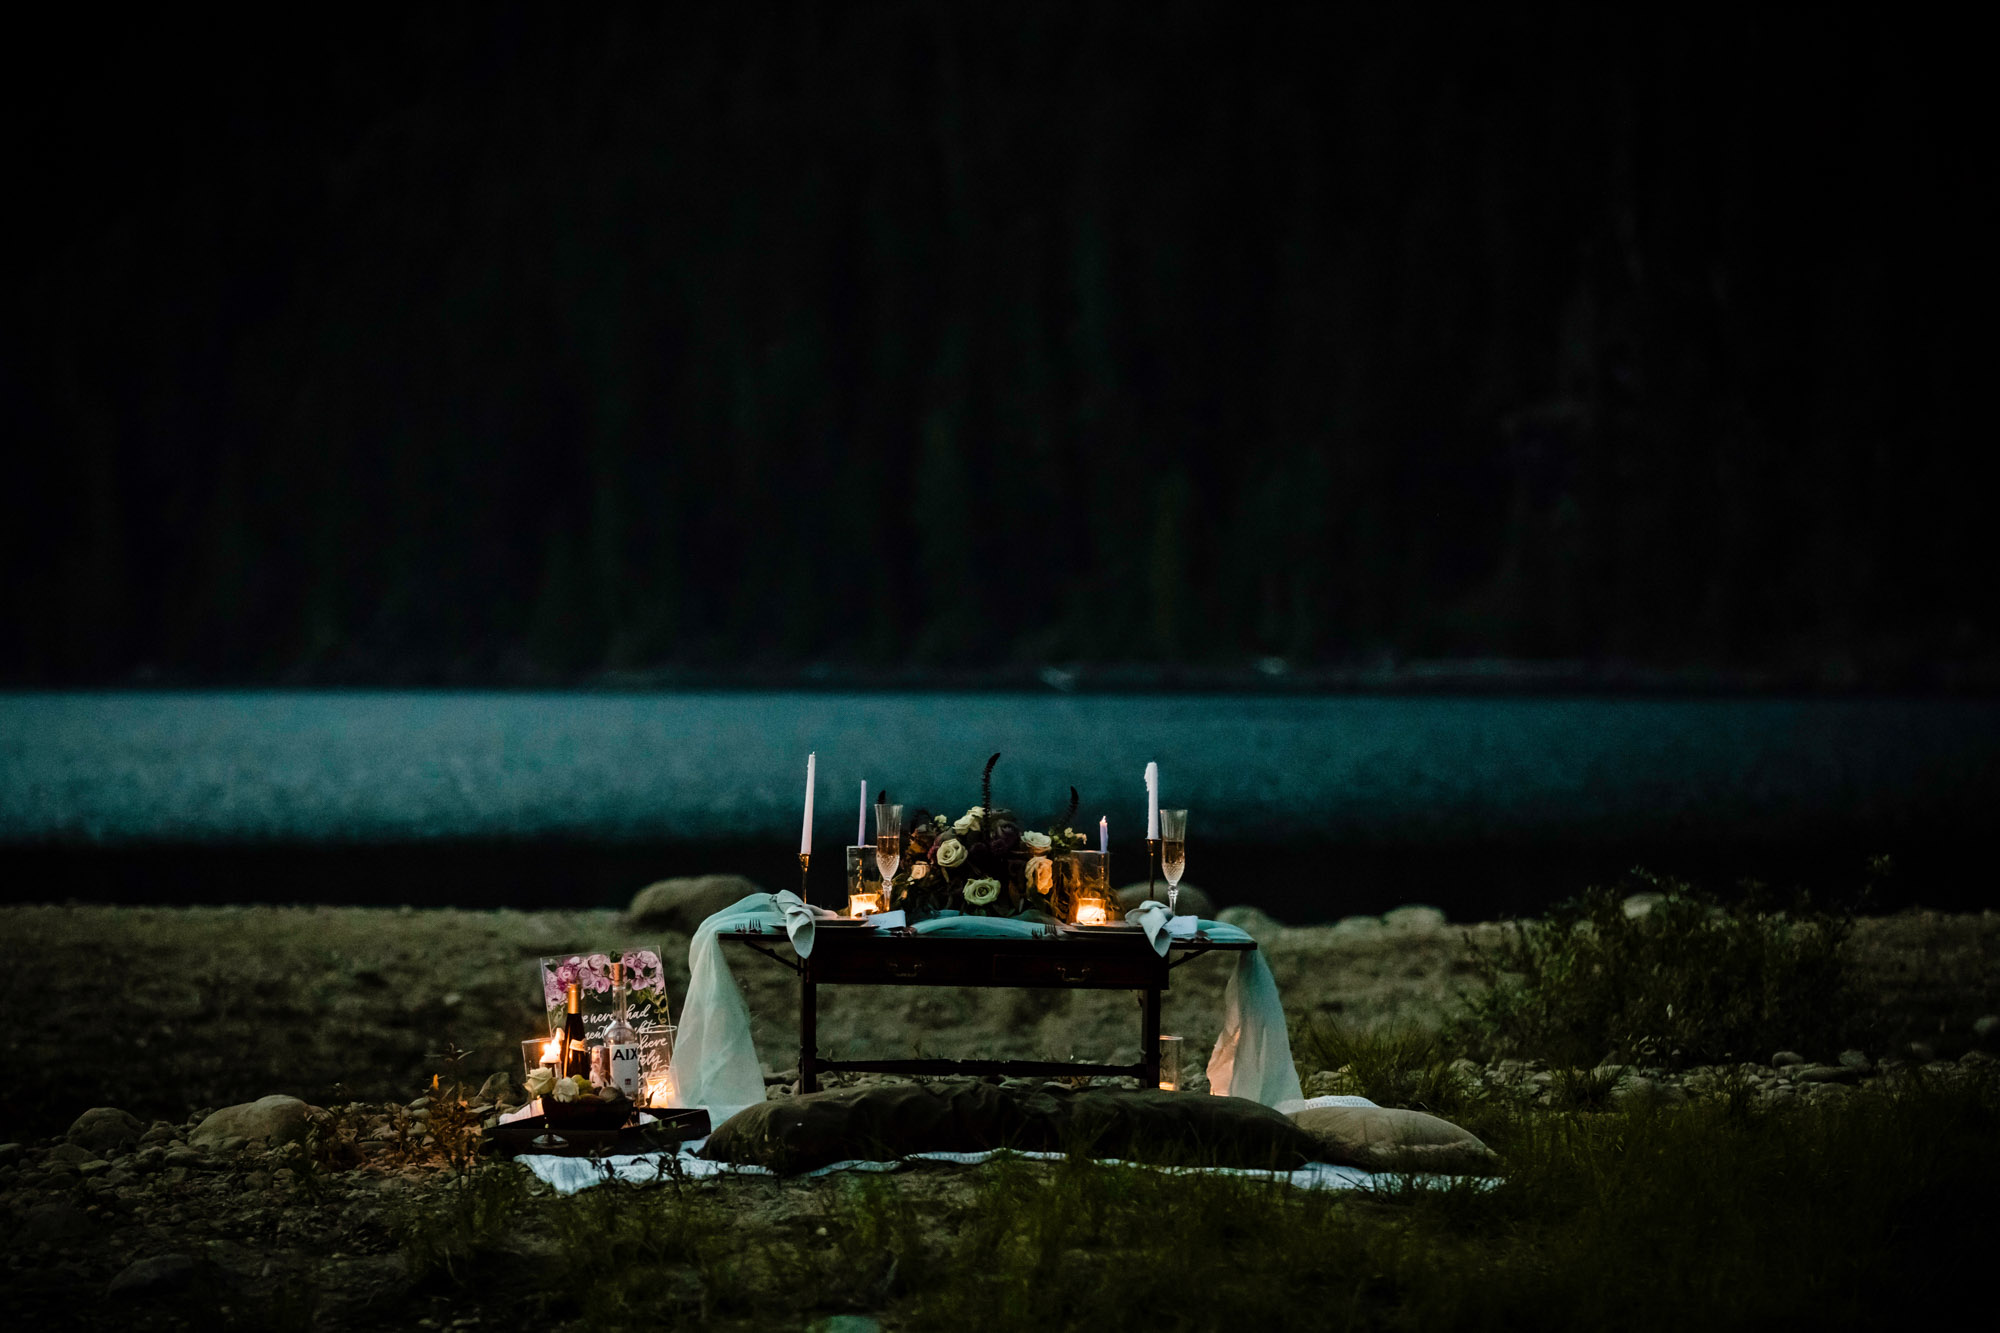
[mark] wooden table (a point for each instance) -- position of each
(848, 957)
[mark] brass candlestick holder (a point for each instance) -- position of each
(1152, 864)
(805, 862)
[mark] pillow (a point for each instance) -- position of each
(1384, 1138)
(887, 1121)
(883, 1122)
(1184, 1129)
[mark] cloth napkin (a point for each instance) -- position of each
(715, 1062)
(1162, 927)
(799, 918)
(981, 927)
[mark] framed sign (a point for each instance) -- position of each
(645, 1003)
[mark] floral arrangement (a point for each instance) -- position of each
(984, 863)
(645, 983)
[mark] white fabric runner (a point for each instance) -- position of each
(716, 1065)
(1253, 1053)
(715, 1061)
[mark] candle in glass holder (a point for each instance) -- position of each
(1170, 1063)
(1091, 910)
(863, 904)
(536, 1051)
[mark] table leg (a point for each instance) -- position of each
(809, 1036)
(1149, 1054)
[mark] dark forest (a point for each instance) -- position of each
(920, 337)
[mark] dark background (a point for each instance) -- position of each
(452, 349)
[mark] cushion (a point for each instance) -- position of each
(887, 1121)
(1384, 1138)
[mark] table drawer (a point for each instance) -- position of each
(888, 966)
(1088, 972)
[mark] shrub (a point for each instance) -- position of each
(1692, 980)
(1391, 1067)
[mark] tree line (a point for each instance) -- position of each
(486, 351)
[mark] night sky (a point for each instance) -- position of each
(432, 348)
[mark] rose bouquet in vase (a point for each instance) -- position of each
(985, 863)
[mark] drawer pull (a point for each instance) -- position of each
(906, 970)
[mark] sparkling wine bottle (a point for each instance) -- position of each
(576, 1052)
(622, 1040)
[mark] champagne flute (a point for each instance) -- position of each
(1173, 852)
(888, 845)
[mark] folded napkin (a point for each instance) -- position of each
(1162, 927)
(799, 918)
(888, 920)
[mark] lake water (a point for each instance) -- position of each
(167, 772)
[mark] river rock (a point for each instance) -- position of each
(55, 1223)
(1857, 1061)
(274, 1119)
(1785, 1059)
(1986, 1028)
(105, 1129)
(1192, 901)
(1824, 1074)
(1635, 1092)
(1415, 917)
(1357, 927)
(683, 904)
(1253, 921)
(146, 1277)
(1641, 904)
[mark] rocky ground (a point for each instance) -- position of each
(169, 1212)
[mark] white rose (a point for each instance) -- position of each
(950, 852)
(539, 1079)
(920, 870)
(1038, 841)
(564, 1089)
(969, 822)
(1041, 873)
(982, 891)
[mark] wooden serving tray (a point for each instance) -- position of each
(667, 1131)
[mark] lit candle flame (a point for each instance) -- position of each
(551, 1051)
(1090, 913)
(863, 904)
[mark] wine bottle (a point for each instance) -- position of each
(622, 1040)
(576, 1053)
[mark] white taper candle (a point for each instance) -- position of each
(1104, 835)
(806, 834)
(1152, 800)
(861, 824)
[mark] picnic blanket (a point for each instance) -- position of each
(567, 1175)
(715, 1059)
